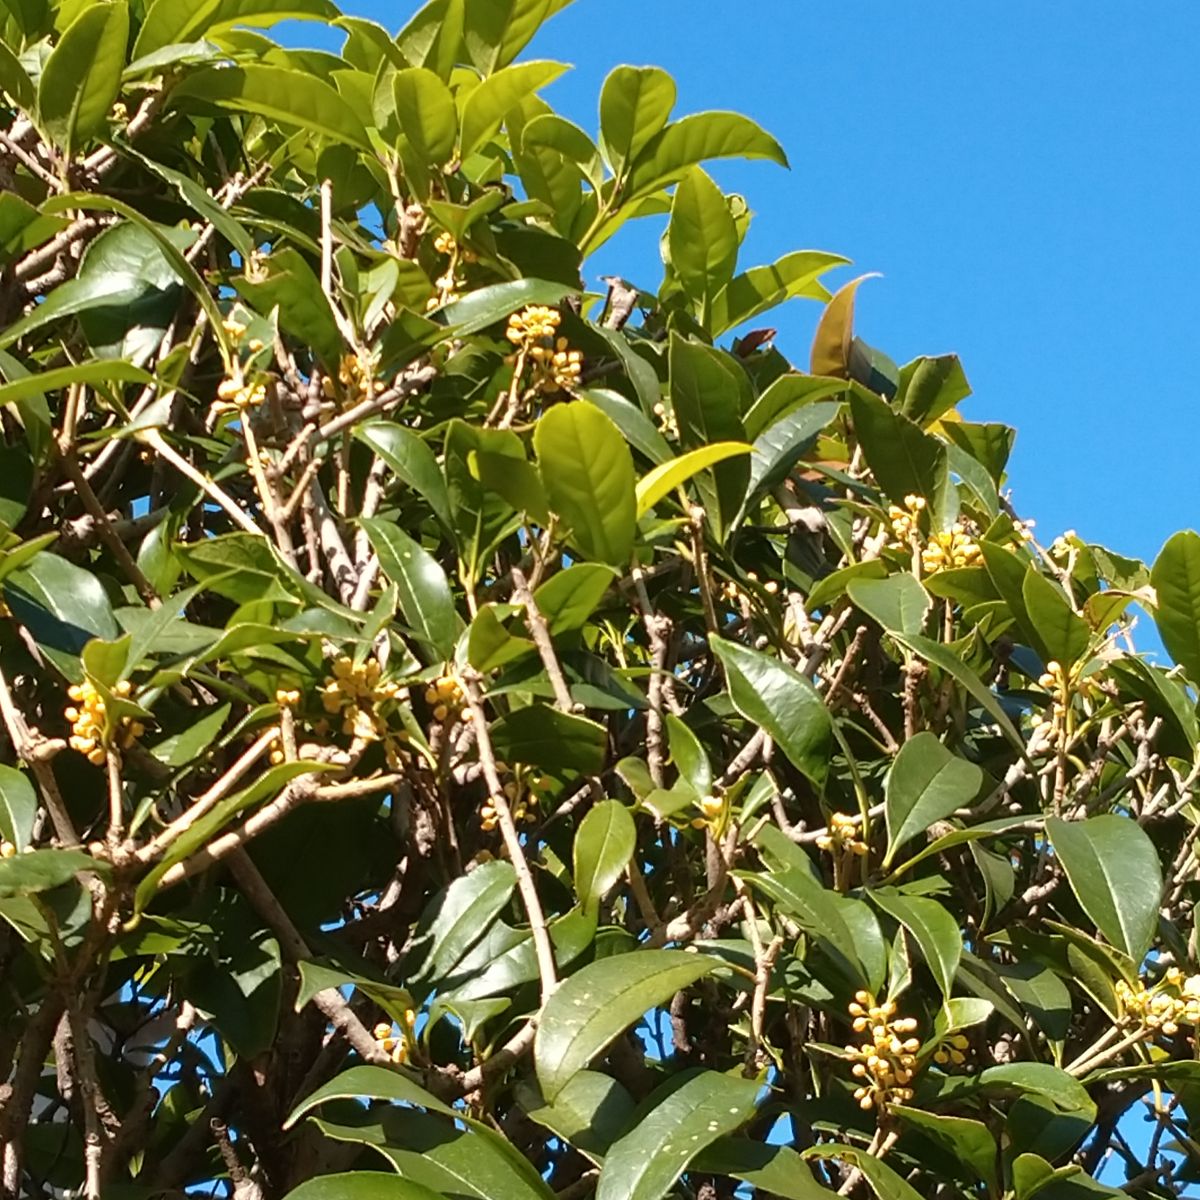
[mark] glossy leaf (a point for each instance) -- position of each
(42, 870)
(599, 1002)
(885, 1182)
(463, 914)
(646, 1162)
(567, 599)
(905, 460)
(555, 741)
(425, 597)
(18, 807)
(1115, 873)
(171, 22)
(926, 784)
(487, 105)
(663, 479)
(361, 1185)
(794, 276)
(426, 112)
(775, 1170)
(702, 238)
(935, 931)
(775, 696)
(82, 76)
(604, 844)
(780, 447)
(635, 104)
(1063, 631)
(589, 1113)
(1176, 581)
(414, 463)
(587, 471)
(898, 602)
(835, 333)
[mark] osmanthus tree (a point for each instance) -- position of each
(472, 737)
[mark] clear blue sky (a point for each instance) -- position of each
(1022, 174)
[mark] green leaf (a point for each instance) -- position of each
(427, 114)
(424, 592)
(587, 471)
(1042, 1079)
(1063, 631)
(702, 239)
(664, 478)
(635, 104)
(930, 387)
(413, 461)
(788, 393)
(780, 447)
(936, 932)
(170, 22)
(647, 1161)
(370, 1083)
(640, 432)
(361, 1185)
(42, 870)
(898, 602)
(496, 31)
(600, 1001)
(487, 105)
(971, 1142)
(281, 94)
(771, 694)
(540, 736)
(835, 333)
(1114, 872)
(905, 460)
(188, 744)
(706, 402)
(18, 807)
(82, 76)
(567, 599)
(590, 1112)
(516, 480)
(794, 276)
(885, 1183)
(926, 784)
(15, 81)
(62, 606)
(463, 913)
(773, 1170)
(604, 844)
(667, 155)
(1175, 578)
(89, 373)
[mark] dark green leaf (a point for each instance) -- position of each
(898, 602)
(604, 844)
(540, 736)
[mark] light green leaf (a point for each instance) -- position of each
(885, 1183)
(926, 784)
(1175, 578)
(1042, 1079)
(702, 239)
(486, 306)
(170, 22)
(281, 94)
(635, 104)
(600, 1001)
(664, 478)
(487, 105)
(694, 139)
(647, 1161)
(15, 81)
(898, 602)
(640, 432)
(604, 844)
(189, 743)
(567, 599)
(82, 76)
(930, 387)
(427, 114)
(496, 31)
(795, 276)
(370, 1083)
(514, 479)
(788, 393)
(1115, 873)
(424, 592)
(317, 976)
(775, 696)
(89, 373)
(361, 1185)
(18, 807)
(587, 470)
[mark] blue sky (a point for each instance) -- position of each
(1022, 175)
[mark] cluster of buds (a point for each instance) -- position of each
(666, 420)
(449, 283)
(521, 803)
(352, 692)
(712, 809)
(445, 696)
(954, 547)
(88, 721)
(390, 1043)
(841, 837)
(953, 1051)
(886, 1059)
(1023, 531)
(237, 331)
(534, 333)
(905, 522)
(236, 395)
(1051, 730)
(356, 373)
(1163, 1006)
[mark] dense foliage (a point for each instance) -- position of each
(472, 737)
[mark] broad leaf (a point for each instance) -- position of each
(604, 844)
(635, 104)
(1176, 581)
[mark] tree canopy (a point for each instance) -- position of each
(471, 736)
